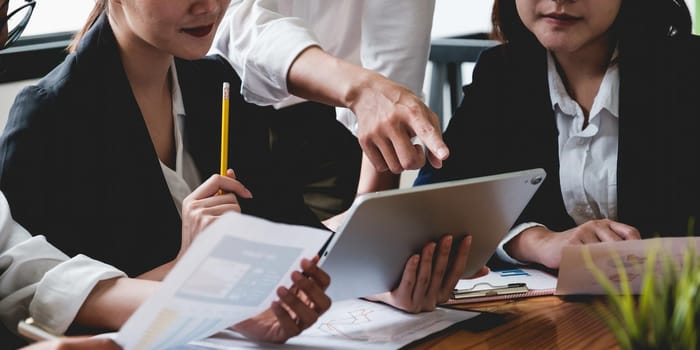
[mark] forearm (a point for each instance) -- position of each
(524, 247)
(308, 78)
(372, 180)
(113, 301)
(158, 273)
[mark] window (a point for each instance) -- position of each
(43, 42)
(56, 16)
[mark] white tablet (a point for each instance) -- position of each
(383, 229)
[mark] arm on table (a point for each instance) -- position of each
(540, 245)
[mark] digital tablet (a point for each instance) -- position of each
(383, 229)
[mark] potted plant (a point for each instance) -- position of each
(665, 315)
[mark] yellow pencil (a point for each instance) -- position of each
(224, 131)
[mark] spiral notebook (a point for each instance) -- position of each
(512, 283)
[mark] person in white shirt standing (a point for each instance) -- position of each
(366, 55)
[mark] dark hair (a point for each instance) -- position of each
(100, 7)
(637, 18)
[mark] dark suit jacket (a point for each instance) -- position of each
(506, 123)
(77, 163)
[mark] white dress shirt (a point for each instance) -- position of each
(587, 156)
(185, 177)
(261, 39)
(38, 280)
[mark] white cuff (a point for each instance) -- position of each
(63, 289)
(21, 268)
(265, 69)
(501, 252)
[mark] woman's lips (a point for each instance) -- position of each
(199, 31)
(560, 19)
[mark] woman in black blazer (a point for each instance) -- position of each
(80, 158)
(78, 162)
(98, 127)
(646, 177)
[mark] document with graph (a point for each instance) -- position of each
(352, 324)
(228, 274)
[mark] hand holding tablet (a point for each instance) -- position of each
(369, 254)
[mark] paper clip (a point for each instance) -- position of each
(510, 288)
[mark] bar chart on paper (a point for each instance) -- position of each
(228, 274)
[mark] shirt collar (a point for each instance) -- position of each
(607, 97)
(176, 93)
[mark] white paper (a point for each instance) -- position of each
(352, 324)
(229, 273)
(534, 279)
(575, 277)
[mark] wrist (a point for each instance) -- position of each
(360, 81)
(524, 247)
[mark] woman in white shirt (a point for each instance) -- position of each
(598, 93)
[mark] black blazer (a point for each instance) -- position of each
(77, 163)
(506, 123)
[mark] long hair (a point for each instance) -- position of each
(636, 19)
(99, 8)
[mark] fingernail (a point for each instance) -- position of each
(282, 292)
(442, 152)
(448, 239)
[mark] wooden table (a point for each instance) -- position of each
(533, 323)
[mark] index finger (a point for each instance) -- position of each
(625, 231)
(216, 182)
(311, 269)
(427, 129)
(458, 265)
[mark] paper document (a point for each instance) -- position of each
(228, 274)
(575, 278)
(504, 284)
(352, 324)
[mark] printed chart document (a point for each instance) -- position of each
(352, 324)
(504, 284)
(228, 274)
(575, 278)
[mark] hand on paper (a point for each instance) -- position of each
(75, 343)
(389, 115)
(540, 245)
(199, 209)
(298, 308)
(425, 284)
(203, 206)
